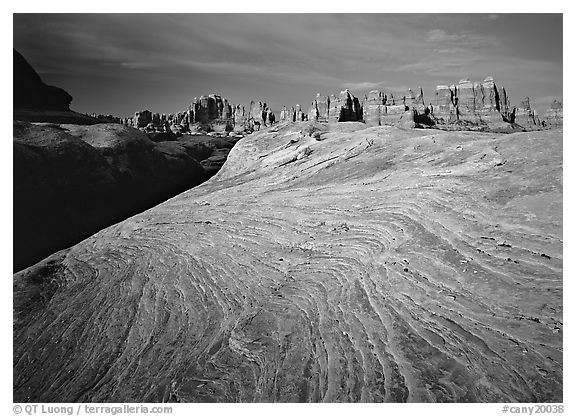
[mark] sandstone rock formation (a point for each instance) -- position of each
(71, 181)
(142, 118)
(319, 109)
(478, 106)
(379, 110)
(374, 108)
(524, 116)
(345, 107)
(472, 104)
(209, 113)
(36, 101)
(285, 114)
(31, 92)
(343, 263)
(553, 117)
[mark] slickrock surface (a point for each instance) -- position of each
(341, 264)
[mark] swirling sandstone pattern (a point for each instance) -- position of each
(364, 264)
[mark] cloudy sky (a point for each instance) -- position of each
(121, 63)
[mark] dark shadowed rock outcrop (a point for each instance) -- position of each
(31, 92)
(332, 263)
(36, 101)
(70, 181)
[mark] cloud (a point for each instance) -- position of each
(465, 39)
(362, 85)
(137, 65)
(288, 55)
(439, 35)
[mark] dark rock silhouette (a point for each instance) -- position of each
(36, 101)
(31, 92)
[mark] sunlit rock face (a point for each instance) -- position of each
(554, 115)
(373, 108)
(344, 107)
(324, 262)
(473, 104)
(319, 109)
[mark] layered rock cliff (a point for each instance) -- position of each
(468, 105)
(324, 262)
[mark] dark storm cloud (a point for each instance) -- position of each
(122, 63)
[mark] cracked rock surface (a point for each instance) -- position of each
(345, 264)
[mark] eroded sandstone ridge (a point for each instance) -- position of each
(209, 113)
(479, 106)
(324, 262)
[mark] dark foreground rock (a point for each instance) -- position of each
(71, 181)
(343, 263)
(35, 101)
(31, 92)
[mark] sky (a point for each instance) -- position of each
(121, 63)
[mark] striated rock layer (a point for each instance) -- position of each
(326, 263)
